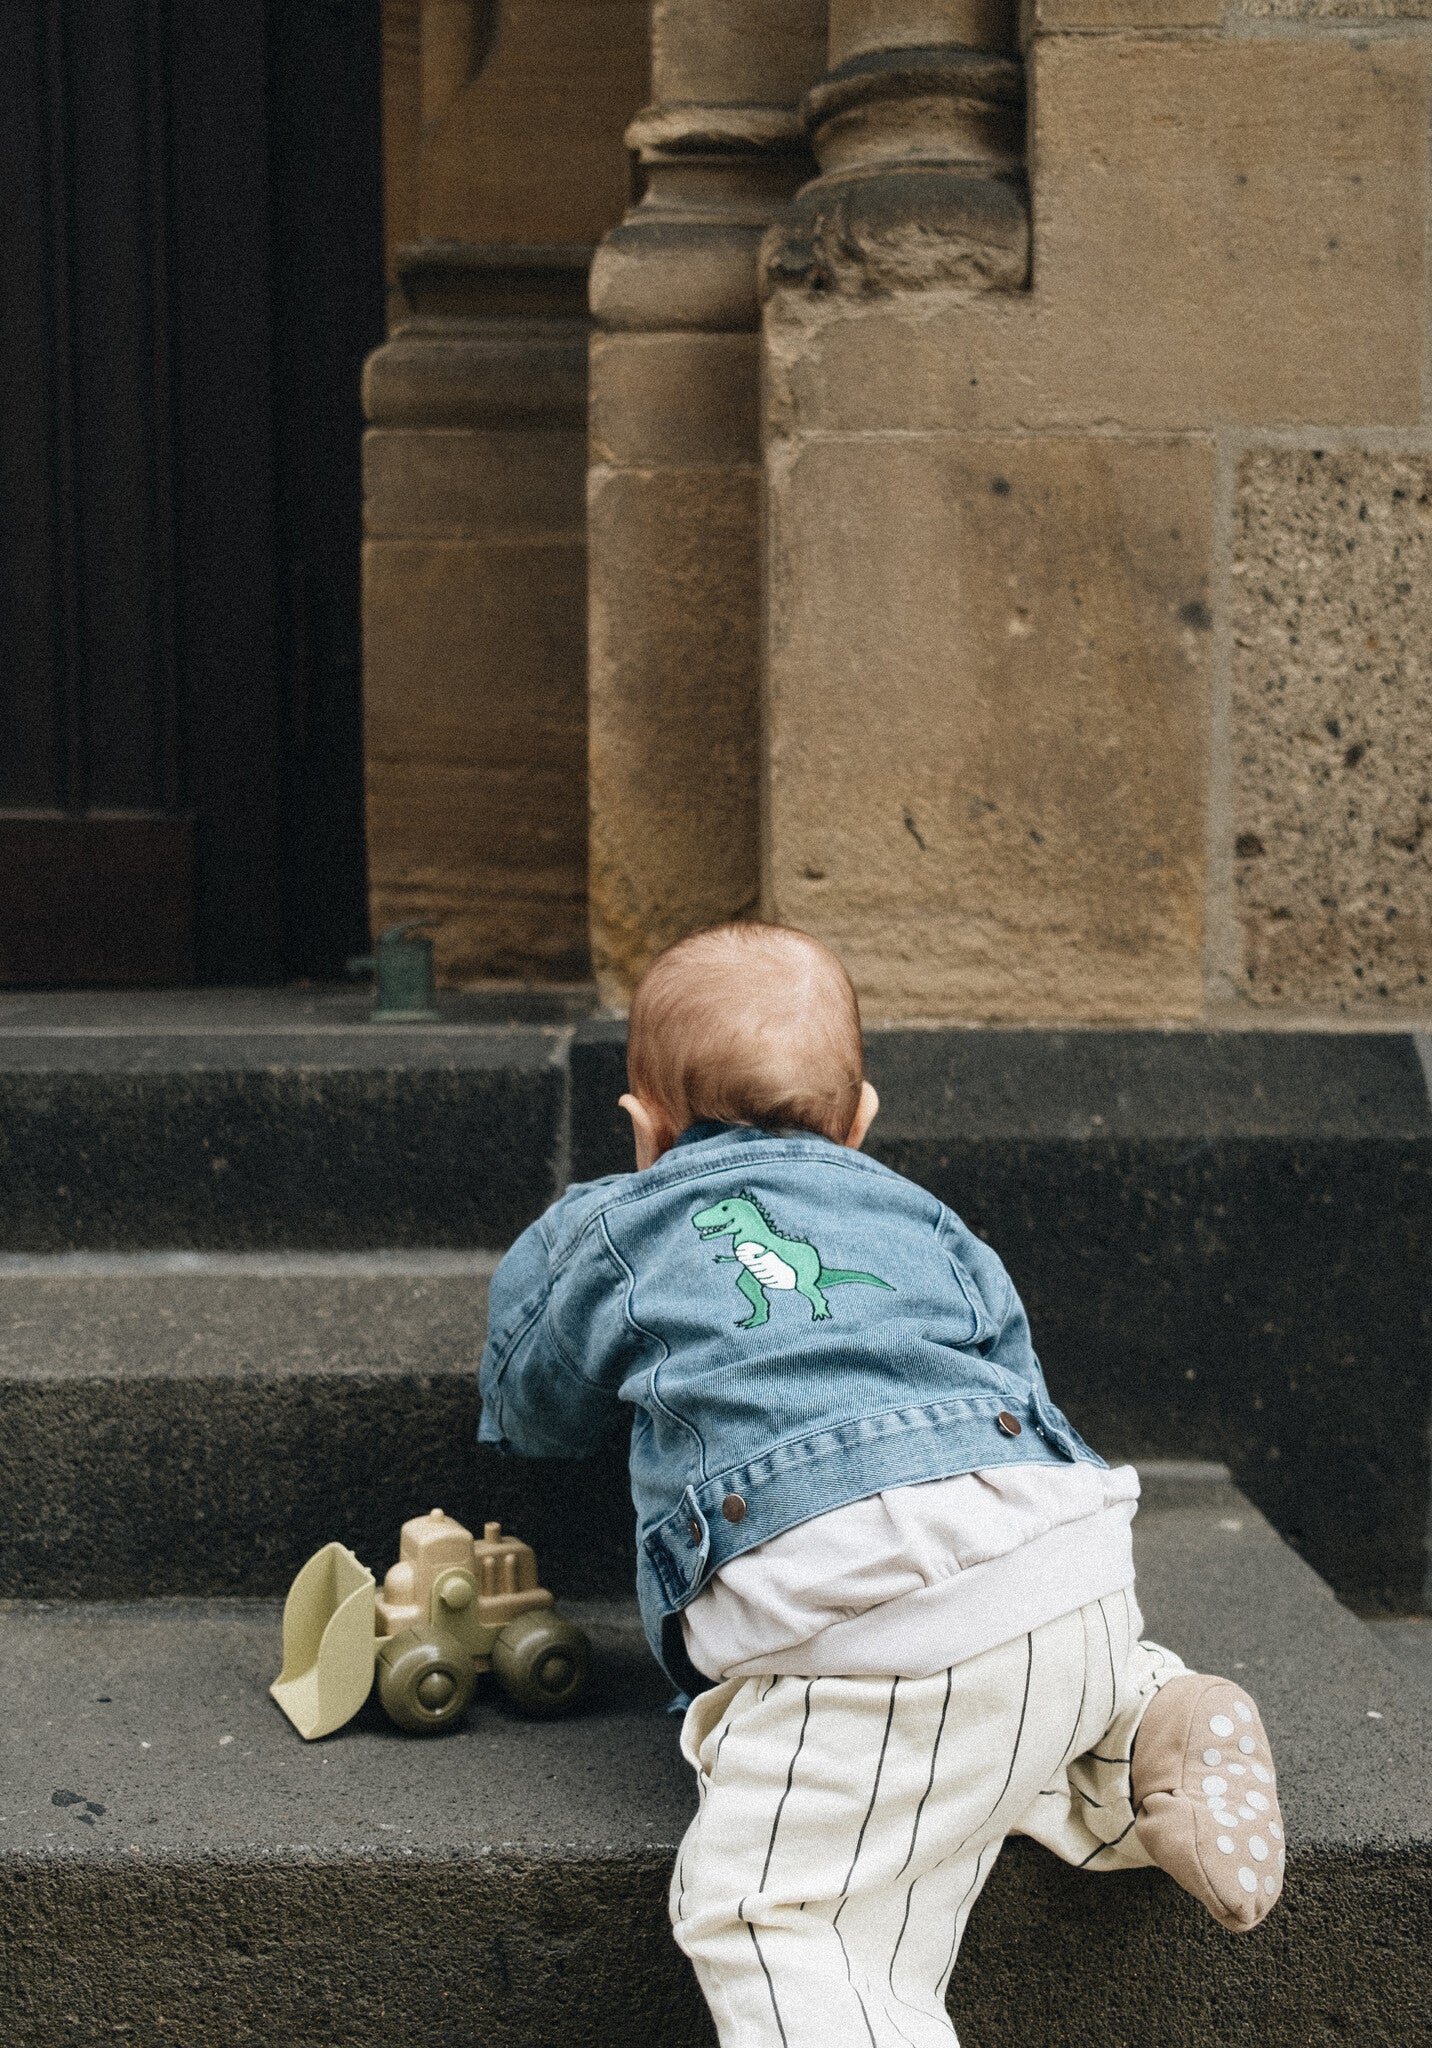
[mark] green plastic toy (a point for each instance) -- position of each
(454, 1605)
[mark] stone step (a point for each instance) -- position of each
(192, 1423)
(1222, 1237)
(177, 1866)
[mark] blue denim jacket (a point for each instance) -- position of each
(795, 1327)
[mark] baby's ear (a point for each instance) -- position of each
(865, 1115)
(651, 1128)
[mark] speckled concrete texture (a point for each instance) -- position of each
(1409, 1637)
(178, 1866)
(1332, 727)
(1191, 1217)
(260, 1127)
(203, 1424)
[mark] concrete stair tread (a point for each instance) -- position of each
(96, 1315)
(1409, 1637)
(1181, 1209)
(507, 1883)
(198, 1423)
(84, 1685)
(159, 1711)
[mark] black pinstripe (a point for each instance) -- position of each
(1105, 1845)
(859, 1845)
(790, 1779)
(915, 1831)
(970, 1889)
(780, 2023)
(874, 1790)
(701, 1785)
(1008, 1779)
(771, 1850)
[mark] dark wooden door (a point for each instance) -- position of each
(191, 197)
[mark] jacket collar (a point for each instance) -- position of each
(694, 1134)
(742, 1134)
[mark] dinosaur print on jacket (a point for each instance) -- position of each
(769, 1261)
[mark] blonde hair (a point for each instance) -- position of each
(748, 1024)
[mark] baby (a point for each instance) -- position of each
(898, 1585)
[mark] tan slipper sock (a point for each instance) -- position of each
(1206, 1799)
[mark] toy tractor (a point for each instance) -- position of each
(452, 1606)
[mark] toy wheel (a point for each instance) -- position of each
(425, 1680)
(541, 1662)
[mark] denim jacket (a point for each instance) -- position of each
(794, 1326)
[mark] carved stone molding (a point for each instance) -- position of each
(686, 255)
(484, 336)
(922, 183)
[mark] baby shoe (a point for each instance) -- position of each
(1206, 1799)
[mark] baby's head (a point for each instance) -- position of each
(746, 1024)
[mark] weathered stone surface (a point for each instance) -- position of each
(674, 707)
(1240, 223)
(474, 706)
(988, 720)
(512, 137)
(1223, 233)
(447, 373)
(737, 50)
(449, 483)
(1339, 10)
(858, 26)
(1050, 15)
(1332, 727)
(664, 400)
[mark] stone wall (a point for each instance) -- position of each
(505, 165)
(1099, 599)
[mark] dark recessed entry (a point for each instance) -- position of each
(194, 275)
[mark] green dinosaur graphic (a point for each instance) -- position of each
(768, 1260)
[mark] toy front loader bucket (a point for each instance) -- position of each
(328, 1642)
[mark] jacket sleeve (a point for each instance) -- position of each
(547, 1380)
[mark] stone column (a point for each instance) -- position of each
(674, 482)
(474, 609)
(918, 127)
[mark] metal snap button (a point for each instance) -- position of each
(1010, 1424)
(734, 1508)
(694, 1527)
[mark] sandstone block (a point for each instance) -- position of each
(521, 484)
(1332, 727)
(1052, 15)
(988, 719)
(675, 716)
(1339, 10)
(530, 150)
(675, 400)
(475, 743)
(737, 50)
(1224, 232)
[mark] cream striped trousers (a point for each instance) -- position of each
(847, 1825)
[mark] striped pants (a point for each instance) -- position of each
(847, 1825)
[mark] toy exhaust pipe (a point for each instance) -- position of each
(328, 1642)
